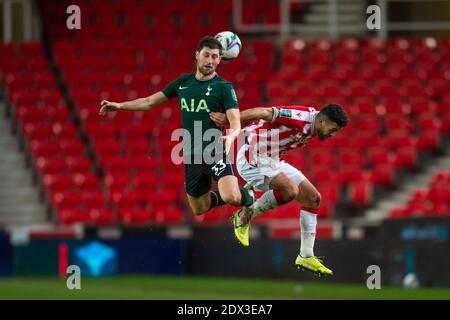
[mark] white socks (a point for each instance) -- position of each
(308, 223)
(265, 203)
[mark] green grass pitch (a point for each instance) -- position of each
(202, 288)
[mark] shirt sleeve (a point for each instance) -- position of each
(229, 97)
(171, 90)
(284, 116)
(284, 112)
(275, 114)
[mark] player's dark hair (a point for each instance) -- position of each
(335, 112)
(209, 42)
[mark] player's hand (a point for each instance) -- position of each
(219, 118)
(228, 140)
(108, 106)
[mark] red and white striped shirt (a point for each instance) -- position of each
(290, 128)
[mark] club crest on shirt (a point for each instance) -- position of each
(285, 113)
(233, 94)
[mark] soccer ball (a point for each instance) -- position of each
(231, 45)
(410, 281)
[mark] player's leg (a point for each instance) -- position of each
(283, 180)
(229, 191)
(283, 185)
(309, 197)
(198, 189)
(205, 202)
(200, 204)
(282, 190)
(232, 194)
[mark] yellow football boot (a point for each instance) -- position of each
(313, 264)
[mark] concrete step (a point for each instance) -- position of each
(16, 174)
(17, 198)
(15, 157)
(7, 185)
(323, 19)
(6, 132)
(22, 218)
(356, 8)
(12, 154)
(325, 34)
(18, 193)
(23, 209)
(22, 191)
(6, 127)
(9, 168)
(19, 181)
(21, 221)
(8, 141)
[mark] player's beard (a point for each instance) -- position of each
(206, 71)
(321, 135)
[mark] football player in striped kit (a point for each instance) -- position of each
(273, 132)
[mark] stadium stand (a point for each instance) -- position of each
(432, 201)
(50, 137)
(117, 168)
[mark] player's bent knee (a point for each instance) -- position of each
(315, 200)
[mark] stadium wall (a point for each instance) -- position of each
(6, 255)
(153, 255)
(399, 247)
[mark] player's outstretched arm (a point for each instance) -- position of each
(221, 119)
(140, 104)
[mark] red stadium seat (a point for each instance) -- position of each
(85, 182)
(399, 213)
(101, 216)
(47, 149)
(136, 216)
(50, 165)
(69, 216)
(361, 193)
(92, 199)
(211, 217)
(78, 163)
(406, 157)
(349, 157)
(71, 146)
(349, 173)
(428, 141)
(57, 182)
(379, 156)
(169, 215)
(325, 210)
(383, 174)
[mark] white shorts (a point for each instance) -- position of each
(260, 174)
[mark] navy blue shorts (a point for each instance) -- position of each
(198, 175)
